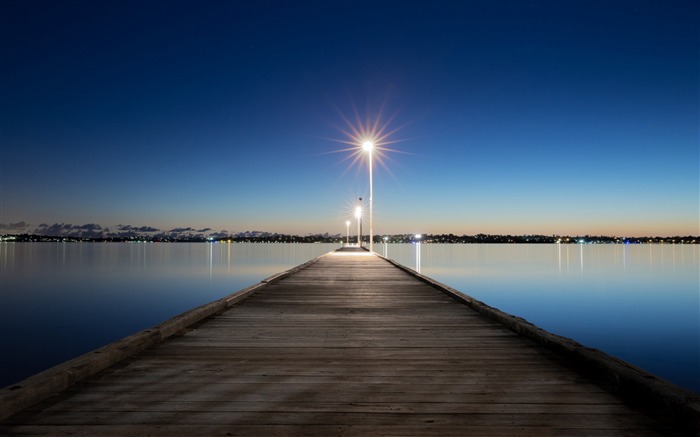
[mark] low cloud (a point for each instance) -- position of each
(14, 227)
(220, 234)
(127, 228)
(94, 230)
(181, 230)
(90, 227)
(89, 230)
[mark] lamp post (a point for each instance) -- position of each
(368, 146)
(347, 226)
(358, 216)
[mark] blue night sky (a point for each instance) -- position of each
(506, 116)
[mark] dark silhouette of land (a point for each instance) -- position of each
(266, 237)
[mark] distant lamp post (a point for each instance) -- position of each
(418, 237)
(368, 146)
(358, 216)
(386, 240)
(347, 226)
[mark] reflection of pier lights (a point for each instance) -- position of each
(358, 216)
(368, 146)
(418, 237)
(559, 254)
(359, 203)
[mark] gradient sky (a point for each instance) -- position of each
(506, 116)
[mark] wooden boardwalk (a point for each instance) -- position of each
(350, 345)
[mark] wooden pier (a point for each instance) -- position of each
(349, 345)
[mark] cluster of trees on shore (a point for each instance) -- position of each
(337, 238)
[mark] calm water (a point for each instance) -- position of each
(60, 300)
(638, 302)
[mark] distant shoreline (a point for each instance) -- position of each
(325, 238)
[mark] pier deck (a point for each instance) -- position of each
(350, 345)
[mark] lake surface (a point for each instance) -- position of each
(638, 302)
(60, 300)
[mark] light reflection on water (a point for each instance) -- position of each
(59, 300)
(638, 302)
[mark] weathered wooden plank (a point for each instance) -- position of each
(325, 430)
(611, 422)
(274, 393)
(424, 355)
(395, 407)
(270, 374)
(290, 383)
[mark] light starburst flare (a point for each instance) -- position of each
(367, 136)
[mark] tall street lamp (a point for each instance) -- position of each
(368, 147)
(358, 216)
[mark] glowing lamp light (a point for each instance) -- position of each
(418, 237)
(358, 216)
(367, 145)
(347, 225)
